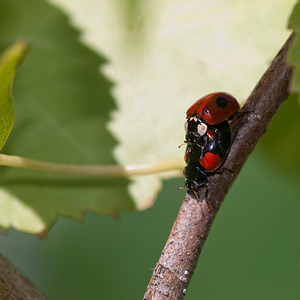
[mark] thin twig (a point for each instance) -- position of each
(175, 267)
(91, 170)
(13, 285)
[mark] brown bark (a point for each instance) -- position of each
(179, 257)
(14, 286)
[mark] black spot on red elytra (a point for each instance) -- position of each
(221, 102)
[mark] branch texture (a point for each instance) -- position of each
(179, 257)
(13, 285)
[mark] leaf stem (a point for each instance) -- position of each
(91, 170)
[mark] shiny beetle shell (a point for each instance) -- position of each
(214, 108)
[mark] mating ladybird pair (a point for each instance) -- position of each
(208, 136)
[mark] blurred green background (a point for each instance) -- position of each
(252, 252)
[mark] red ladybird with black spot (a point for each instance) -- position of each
(214, 108)
(207, 112)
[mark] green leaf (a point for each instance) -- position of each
(294, 52)
(9, 62)
(164, 55)
(161, 57)
(62, 105)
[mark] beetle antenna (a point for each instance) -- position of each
(181, 188)
(182, 144)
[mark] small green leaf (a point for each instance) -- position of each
(9, 62)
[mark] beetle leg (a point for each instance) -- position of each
(197, 197)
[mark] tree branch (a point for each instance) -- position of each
(179, 257)
(13, 285)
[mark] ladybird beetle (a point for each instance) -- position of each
(206, 158)
(208, 136)
(208, 111)
(195, 174)
(194, 177)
